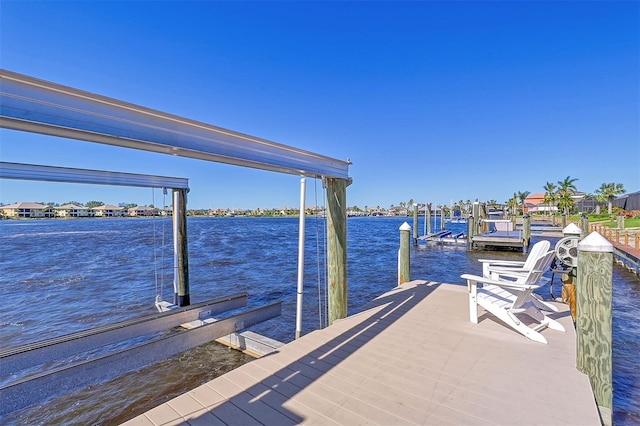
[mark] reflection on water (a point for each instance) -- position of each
(66, 276)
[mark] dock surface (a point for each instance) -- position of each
(411, 357)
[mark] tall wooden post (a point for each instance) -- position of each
(526, 230)
(594, 293)
(584, 226)
(429, 230)
(620, 221)
(471, 226)
(564, 220)
(404, 255)
(415, 223)
(337, 247)
(180, 249)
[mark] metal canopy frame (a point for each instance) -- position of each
(99, 177)
(38, 106)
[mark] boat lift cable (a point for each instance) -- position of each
(318, 265)
(324, 270)
(155, 254)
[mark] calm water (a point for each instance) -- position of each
(61, 276)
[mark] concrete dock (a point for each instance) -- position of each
(410, 357)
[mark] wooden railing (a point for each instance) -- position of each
(627, 237)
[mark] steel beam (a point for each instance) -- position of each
(39, 106)
(98, 177)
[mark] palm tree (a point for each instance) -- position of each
(566, 189)
(609, 191)
(513, 203)
(522, 196)
(550, 194)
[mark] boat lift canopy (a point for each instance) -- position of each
(38, 106)
(98, 177)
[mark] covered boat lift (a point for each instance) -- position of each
(37, 106)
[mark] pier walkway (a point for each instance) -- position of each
(410, 357)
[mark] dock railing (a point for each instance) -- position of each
(619, 235)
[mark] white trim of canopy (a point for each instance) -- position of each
(38, 106)
(99, 177)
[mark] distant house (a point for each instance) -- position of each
(142, 211)
(108, 211)
(30, 210)
(72, 210)
(534, 203)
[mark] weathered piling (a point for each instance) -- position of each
(404, 255)
(526, 230)
(415, 223)
(620, 221)
(428, 213)
(471, 230)
(181, 254)
(584, 225)
(337, 247)
(593, 325)
(564, 220)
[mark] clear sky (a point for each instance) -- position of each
(431, 101)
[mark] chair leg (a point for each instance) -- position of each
(472, 286)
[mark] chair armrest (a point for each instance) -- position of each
(501, 283)
(502, 262)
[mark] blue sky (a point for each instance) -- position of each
(431, 101)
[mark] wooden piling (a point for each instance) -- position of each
(594, 318)
(404, 255)
(470, 231)
(181, 255)
(584, 226)
(526, 231)
(429, 229)
(337, 247)
(415, 223)
(620, 221)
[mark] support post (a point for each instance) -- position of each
(180, 249)
(337, 247)
(471, 225)
(526, 230)
(404, 261)
(415, 223)
(564, 220)
(301, 239)
(594, 319)
(620, 221)
(584, 226)
(428, 219)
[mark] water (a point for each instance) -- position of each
(61, 276)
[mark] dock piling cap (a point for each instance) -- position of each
(405, 227)
(594, 242)
(571, 229)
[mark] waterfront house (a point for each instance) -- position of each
(28, 210)
(142, 211)
(108, 211)
(72, 210)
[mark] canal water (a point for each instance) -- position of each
(61, 276)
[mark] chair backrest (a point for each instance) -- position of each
(541, 266)
(537, 250)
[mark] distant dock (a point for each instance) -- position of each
(410, 357)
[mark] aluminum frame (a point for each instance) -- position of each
(38, 106)
(99, 177)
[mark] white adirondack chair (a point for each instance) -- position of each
(495, 268)
(509, 299)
